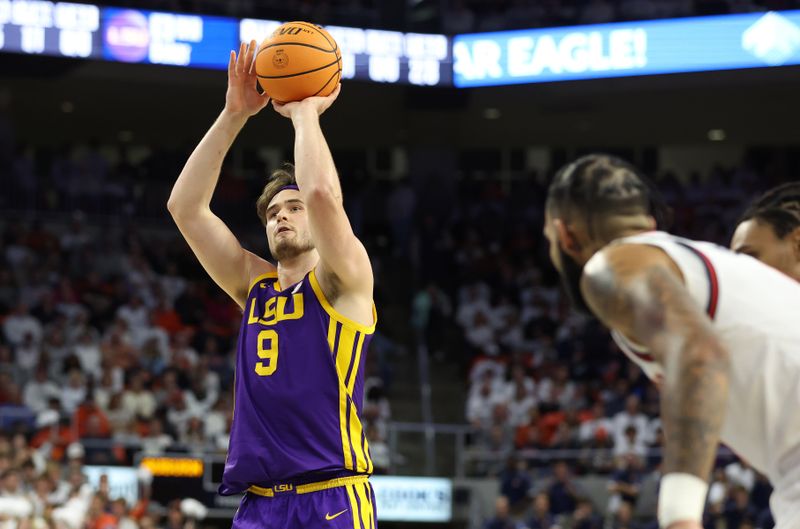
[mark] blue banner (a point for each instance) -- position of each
(133, 35)
(627, 49)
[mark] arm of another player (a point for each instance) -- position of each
(344, 264)
(638, 290)
(215, 246)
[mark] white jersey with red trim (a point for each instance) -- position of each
(756, 312)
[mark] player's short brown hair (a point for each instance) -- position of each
(279, 178)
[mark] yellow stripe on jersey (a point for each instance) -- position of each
(352, 383)
(364, 514)
(259, 278)
(362, 465)
(366, 454)
(344, 353)
(343, 400)
(368, 494)
(345, 362)
(342, 363)
(353, 506)
(331, 333)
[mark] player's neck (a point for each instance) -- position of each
(626, 226)
(292, 270)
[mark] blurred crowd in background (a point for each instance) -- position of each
(460, 16)
(114, 342)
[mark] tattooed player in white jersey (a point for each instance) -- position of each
(719, 331)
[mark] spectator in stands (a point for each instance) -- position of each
(137, 400)
(199, 397)
(502, 516)
(520, 402)
(13, 412)
(379, 450)
(584, 516)
(39, 391)
(542, 517)
(120, 511)
(625, 483)
(741, 474)
(529, 435)
(562, 492)
(738, 510)
(376, 406)
(630, 416)
(11, 485)
(431, 308)
(481, 403)
(20, 323)
(595, 424)
(515, 483)
(558, 392)
(28, 356)
(718, 490)
(215, 424)
(156, 441)
(497, 442)
(74, 393)
(630, 443)
(178, 413)
(622, 518)
(566, 435)
(193, 437)
(88, 352)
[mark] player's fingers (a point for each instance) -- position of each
(240, 58)
(232, 65)
(251, 53)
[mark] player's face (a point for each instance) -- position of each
(568, 269)
(759, 240)
(287, 225)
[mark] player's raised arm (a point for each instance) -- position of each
(217, 249)
(344, 264)
(638, 291)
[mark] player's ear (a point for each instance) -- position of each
(567, 240)
(794, 239)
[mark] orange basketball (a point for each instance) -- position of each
(298, 60)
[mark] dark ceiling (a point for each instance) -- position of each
(176, 105)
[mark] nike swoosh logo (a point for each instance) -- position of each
(329, 517)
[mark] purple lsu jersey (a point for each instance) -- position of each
(298, 390)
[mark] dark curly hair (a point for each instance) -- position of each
(599, 185)
(779, 208)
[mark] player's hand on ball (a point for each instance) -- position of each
(685, 525)
(315, 104)
(242, 97)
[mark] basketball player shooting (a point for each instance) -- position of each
(718, 331)
(297, 447)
